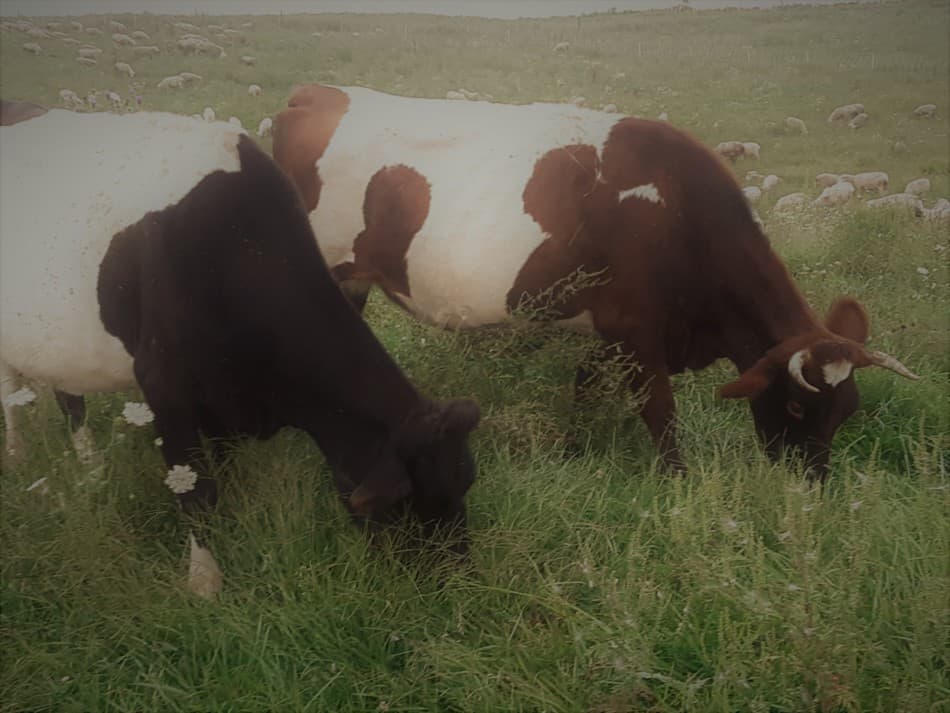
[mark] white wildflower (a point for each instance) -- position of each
(159, 441)
(855, 504)
(793, 588)
(729, 525)
(923, 271)
(137, 414)
(20, 398)
(181, 479)
(39, 484)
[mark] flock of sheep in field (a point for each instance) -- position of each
(836, 188)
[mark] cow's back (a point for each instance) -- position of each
(70, 182)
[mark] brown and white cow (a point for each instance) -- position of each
(462, 211)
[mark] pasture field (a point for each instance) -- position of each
(597, 583)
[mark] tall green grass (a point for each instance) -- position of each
(597, 583)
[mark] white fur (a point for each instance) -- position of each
(204, 576)
(477, 157)
(647, 192)
(55, 229)
(836, 371)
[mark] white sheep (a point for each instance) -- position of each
(754, 177)
(578, 101)
(70, 99)
(753, 194)
(248, 60)
(827, 179)
(918, 186)
(610, 109)
(731, 150)
(123, 40)
(87, 61)
(940, 204)
(92, 99)
(71, 41)
(117, 26)
(265, 127)
(234, 121)
(793, 201)
(838, 194)
(793, 123)
(125, 68)
(140, 35)
(750, 149)
(868, 181)
(208, 114)
(33, 47)
(452, 94)
(254, 90)
(76, 25)
(663, 116)
(561, 47)
(145, 50)
(898, 200)
(190, 77)
(89, 52)
(115, 99)
(845, 113)
(858, 121)
(770, 182)
(38, 34)
(94, 31)
(185, 27)
(926, 111)
(172, 82)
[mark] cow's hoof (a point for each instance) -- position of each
(204, 576)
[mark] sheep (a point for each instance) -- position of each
(827, 179)
(190, 77)
(265, 127)
(38, 34)
(189, 44)
(211, 48)
(94, 31)
(125, 68)
(941, 204)
(868, 181)
(117, 26)
(92, 99)
(54, 25)
(793, 123)
(663, 116)
(858, 121)
(918, 186)
(87, 61)
(750, 149)
(731, 150)
(752, 193)
(115, 99)
(561, 47)
(926, 111)
(172, 82)
(33, 47)
(610, 109)
(70, 99)
(208, 114)
(248, 60)
(122, 40)
(936, 215)
(753, 177)
(89, 52)
(140, 35)
(845, 113)
(837, 194)
(898, 200)
(59, 35)
(234, 121)
(770, 182)
(578, 101)
(254, 90)
(452, 94)
(71, 41)
(76, 25)
(793, 201)
(145, 50)
(185, 27)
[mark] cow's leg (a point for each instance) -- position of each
(357, 292)
(659, 414)
(10, 381)
(74, 409)
(177, 424)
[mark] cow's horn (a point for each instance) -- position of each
(889, 362)
(795, 369)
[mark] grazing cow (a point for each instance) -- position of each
(464, 213)
(182, 261)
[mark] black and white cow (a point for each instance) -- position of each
(173, 254)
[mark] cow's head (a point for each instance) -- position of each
(426, 470)
(803, 389)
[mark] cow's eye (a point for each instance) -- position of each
(795, 410)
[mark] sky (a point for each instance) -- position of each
(481, 8)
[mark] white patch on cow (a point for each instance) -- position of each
(68, 183)
(582, 323)
(836, 371)
(647, 192)
(477, 157)
(204, 576)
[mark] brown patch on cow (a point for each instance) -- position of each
(395, 206)
(559, 195)
(14, 112)
(302, 133)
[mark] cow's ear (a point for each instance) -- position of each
(752, 382)
(384, 486)
(847, 318)
(458, 416)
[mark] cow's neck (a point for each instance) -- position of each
(763, 306)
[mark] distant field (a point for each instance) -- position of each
(598, 584)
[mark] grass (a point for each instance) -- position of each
(598, 584)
